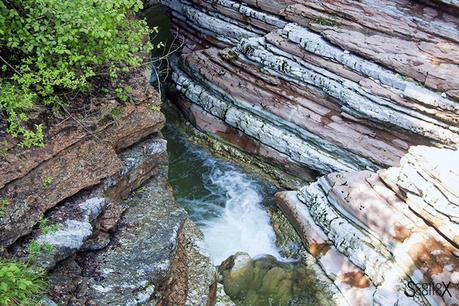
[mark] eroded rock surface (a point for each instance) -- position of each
(265, 280)
(345, 88)
(389, 225)
(94, 209)
(327, 85)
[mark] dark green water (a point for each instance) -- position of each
(163, 43)
(227, 203)
(230, 207)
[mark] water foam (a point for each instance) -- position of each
(244, 225)
(223, 200)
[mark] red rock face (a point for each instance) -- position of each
(412, 235)
(34, 181)
(344, 88)
(359, 82)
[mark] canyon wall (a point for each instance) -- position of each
(344, 89)
(94, 209)
(328, 85)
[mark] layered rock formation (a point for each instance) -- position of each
(332, 86)
(397, 226)
(344, 88)
(94, 209)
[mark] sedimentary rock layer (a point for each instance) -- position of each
(392, 225)
(71, 208)
(332, 85)
(345, 88)
(80, 165)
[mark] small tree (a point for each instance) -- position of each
(51, 47)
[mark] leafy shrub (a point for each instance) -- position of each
(51, 47)
(20, 284)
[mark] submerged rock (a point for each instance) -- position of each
(266, 281)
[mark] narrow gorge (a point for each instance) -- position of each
(364, 93)
(284, 153)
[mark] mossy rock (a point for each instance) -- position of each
(267, 281)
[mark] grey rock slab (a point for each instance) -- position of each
(132, 268)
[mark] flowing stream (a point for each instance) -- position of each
(231, 208)
(226, 202)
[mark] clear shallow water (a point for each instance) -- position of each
(230, 207)
(224, 200)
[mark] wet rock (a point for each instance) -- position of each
(222, 299)
(263, 280)
(159, 251)
(146, 244)
(201, 272)
(350, 280)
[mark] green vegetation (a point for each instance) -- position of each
(116, 113)
(35, 248)
(51, 50)
(46, 228)
(4, 202)
(121, 94)
(325, 22)
(3, 149)
(156, 108)
(231, 55)
(47, 181)
(401, 77)
(20, 283)
(140, 190)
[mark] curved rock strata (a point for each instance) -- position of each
(392, 225)
(332, 91)
(345, 88)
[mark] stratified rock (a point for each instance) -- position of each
(76, 219)
(380, 230)
(82, 165)
(340, 86)
(427, 180)
(16, 162)
(350, 280)
(146, 244)
(107, 239)
(325, 90)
